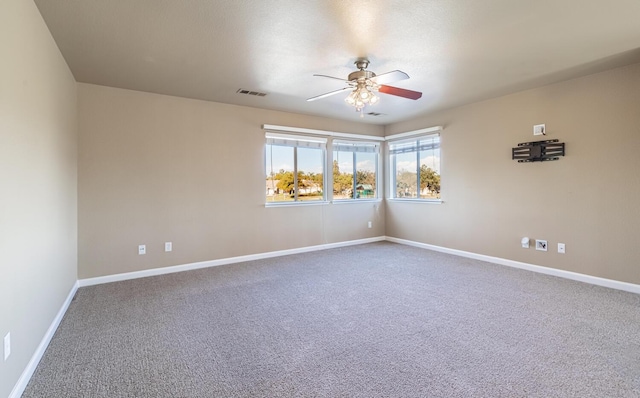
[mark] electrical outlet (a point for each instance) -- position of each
(369, 225)
(561, 248)
(525, 242)
(7, 346)
(541, 245)
(168, 246)
(142, 249)
(539, 129)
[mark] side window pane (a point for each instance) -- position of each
(279, 168)
(406, 176)
(430, 174)
(342, 175)
(310, 178)
(365, 175)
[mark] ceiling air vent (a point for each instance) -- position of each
(249, 92)
(375, 114)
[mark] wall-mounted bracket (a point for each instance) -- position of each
(538, 151)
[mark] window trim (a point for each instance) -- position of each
(415, 136)
(294, 141)
(383, 162)
(325, 133)
(362, 143)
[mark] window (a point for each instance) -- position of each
(294, 168)
(354, 170)
(415, 168)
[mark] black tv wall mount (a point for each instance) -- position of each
(538, 151)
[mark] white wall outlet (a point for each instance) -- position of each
(539, 129)
(541, 245)
(525, 242)
(168, 246)
(142, 249)
(369, 224)
(7, 346)
(561, 248)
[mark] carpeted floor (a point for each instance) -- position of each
(375, 320)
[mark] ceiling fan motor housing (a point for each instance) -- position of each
(360, 75)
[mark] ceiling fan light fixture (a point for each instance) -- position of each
(362, 95)
(351, 98)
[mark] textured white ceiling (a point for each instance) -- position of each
(455, 51)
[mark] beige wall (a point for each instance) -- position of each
(590, 199)
(156, 168)
(38, 183)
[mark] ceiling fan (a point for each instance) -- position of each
(364, 84)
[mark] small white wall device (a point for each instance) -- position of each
(541, 245)
(525, 242)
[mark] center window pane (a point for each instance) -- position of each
(365, 175)
(342, 175)
(310, 178)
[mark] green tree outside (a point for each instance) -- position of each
(429, 179)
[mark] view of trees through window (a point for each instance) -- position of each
(346, 164)
(411, 181)
(296, 167)
(294, 173)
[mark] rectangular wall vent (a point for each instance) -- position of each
(249, 92)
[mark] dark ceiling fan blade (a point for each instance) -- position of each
(400, 92)
(336, 78)
(390, 77)
(330, 93)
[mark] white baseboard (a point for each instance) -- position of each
(213, 263)
(594, 280)
(19, 387)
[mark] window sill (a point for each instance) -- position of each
(352, 201)
(424, 201)
(295, 204)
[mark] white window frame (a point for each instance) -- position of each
(298, 141)
(417, 149)
(356, 147)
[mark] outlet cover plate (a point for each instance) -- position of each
(168, 246)
(142, 249)
(561, 248)
(539, 129)
(541, 245)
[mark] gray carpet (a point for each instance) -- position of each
(376, 320)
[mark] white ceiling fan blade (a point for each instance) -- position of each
(330, 93)
(390, 77)
(336, 78)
